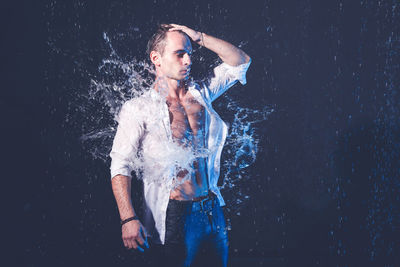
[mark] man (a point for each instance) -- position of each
(174, 136)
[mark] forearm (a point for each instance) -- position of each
(121, 186)
(229, 53)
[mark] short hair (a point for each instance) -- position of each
(157, 41)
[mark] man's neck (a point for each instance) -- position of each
(172, 88)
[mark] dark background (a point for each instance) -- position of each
(324, 190)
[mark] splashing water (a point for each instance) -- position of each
(242, 142)
(121, 81)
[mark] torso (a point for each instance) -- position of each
(187, 127)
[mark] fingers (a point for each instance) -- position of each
(176, 25)
(141, 239)
(126, 245)
(175, 29)
(170, 24)
(136, 241)
(140, 249)
(134, 244)
(144, 236)
(129, 243)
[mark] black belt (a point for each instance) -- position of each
(210, 195)
(203, 203)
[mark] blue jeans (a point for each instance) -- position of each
(196, 233)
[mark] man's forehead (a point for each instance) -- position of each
(177, 41)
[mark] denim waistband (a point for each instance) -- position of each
(206, 204)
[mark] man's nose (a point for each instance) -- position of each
(187, 60)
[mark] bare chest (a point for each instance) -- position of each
(186, 119)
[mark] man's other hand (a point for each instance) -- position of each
(134, 236)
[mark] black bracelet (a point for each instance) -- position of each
(129, 219)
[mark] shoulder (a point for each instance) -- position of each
(135, 108)
(138, 103)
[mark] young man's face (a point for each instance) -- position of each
(175, 62)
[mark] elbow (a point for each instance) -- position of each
(243, 59)
(247, 58)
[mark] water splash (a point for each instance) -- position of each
(118, 82)
(242, 141)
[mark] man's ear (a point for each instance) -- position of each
(155, 57)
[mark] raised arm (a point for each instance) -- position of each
(229, 53)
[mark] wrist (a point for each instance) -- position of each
(133, 218)
(201, 39)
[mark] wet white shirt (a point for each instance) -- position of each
(143, 141)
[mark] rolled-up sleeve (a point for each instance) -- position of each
(224, 77)
(126, 140)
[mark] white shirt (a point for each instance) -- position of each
(143, 141)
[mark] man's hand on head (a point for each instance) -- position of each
(194, 35)
(229, 53)
(134, 236)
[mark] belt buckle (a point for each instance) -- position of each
(203, 201)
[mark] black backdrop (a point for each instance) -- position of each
(324, 190)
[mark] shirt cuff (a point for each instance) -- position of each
(121, 171)
(239, 72)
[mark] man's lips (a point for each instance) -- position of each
(185, 71)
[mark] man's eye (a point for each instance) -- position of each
(180, 55)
